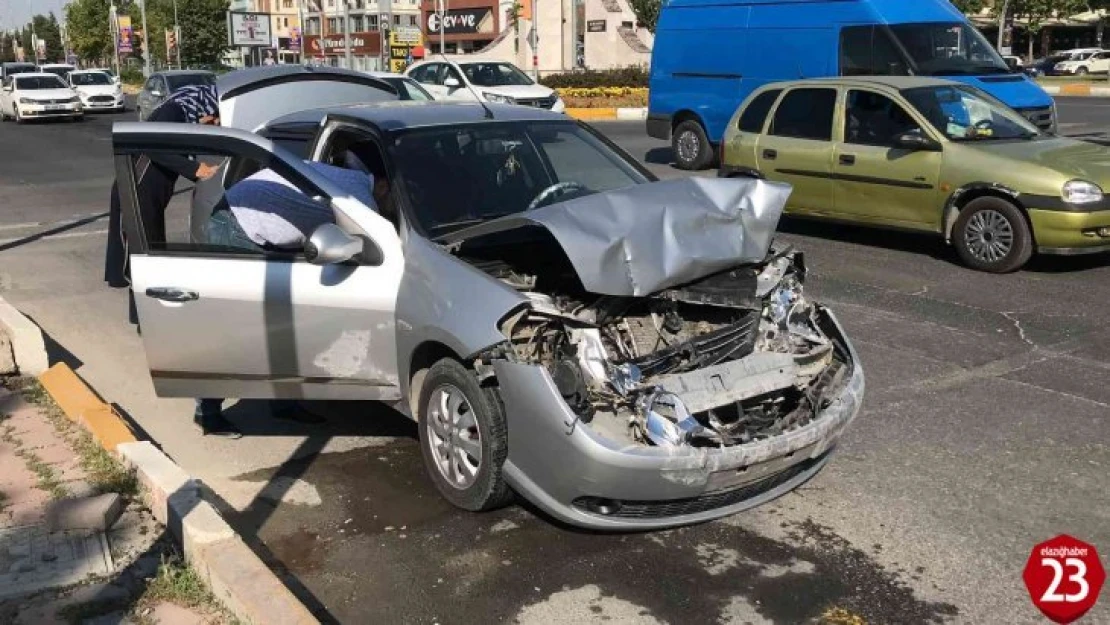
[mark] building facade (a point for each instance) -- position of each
(326, 30)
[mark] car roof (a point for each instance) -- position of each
(241, 79)
(55, 65)
(402, 115)
(385, 75)
(89, 71)
(35, 75)
(182, 72)
(892, 82)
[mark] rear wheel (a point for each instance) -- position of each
(463, 437)
(992, 235)
(692, 150)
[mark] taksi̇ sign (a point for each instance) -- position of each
(462, 22)
(249, 29)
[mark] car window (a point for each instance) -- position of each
(451, 73)
(409, 90)
(177, 81)
(460, 176)
(869, 51)
(26, 83)
(805, 114)
(494, 74)
(755, 116)
(580, 158)
(874, 119)
(429, 74)
(90, 79)
(964, 113)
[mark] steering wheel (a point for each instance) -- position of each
(557, 188)
(984, 124)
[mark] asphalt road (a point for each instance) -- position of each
(984, 431)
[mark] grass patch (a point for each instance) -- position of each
(47, 477)
(105, 473)
(176, 582)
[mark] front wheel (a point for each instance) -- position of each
(992, 235)
(18, 118)
(463, 437)
(1082, 71)
(692, 150)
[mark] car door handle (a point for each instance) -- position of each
(172, 294)
(847, 159)
(770, 154)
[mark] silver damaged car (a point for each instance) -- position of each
(622, 352)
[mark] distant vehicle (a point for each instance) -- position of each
(161, 84)
(711, 54)
(7, 70)
(98, 91)
(1085, 63)
(489, 81)
(61, 70)
(920, 153)
(407, 88)
(38, 95)
(1046, 66)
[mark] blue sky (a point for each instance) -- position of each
(18, 12)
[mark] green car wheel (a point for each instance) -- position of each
(992, 235)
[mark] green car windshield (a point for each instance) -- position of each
(967, 114)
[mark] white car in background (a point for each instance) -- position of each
(97, 90)
(39, 95)
(1084, 63)
(489, 81)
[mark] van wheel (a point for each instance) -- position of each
(992, 235)
(692, 150)
(463, 437)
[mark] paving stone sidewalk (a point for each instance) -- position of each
(95, 573)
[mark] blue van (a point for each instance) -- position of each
(710, 54)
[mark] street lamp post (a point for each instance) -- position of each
(176, 33)
(34, 37)
(146, 41)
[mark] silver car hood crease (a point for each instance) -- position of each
(646, 238)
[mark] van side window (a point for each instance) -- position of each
(874, 119)
(805, 114)
(755, 116)
(868, 51)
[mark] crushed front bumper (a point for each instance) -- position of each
(584, 479)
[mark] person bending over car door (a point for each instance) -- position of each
(264, 212)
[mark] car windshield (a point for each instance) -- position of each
(90, 79)
(948, 49)
(408, 89)
(494, 74)
(967, 114)
(26, 83)
(59, 71)
(177, 81)
(460, 176)
(12, 70)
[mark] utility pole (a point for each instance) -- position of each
(113, 28)
(300, 30)
(441, 5)
(1002, 23)
(146, 41)
(347, 33)
(176, 34)
(386, 36)
(535, 43)
(34, 37)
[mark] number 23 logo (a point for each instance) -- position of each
(1052, 594)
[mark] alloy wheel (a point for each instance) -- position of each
(456, 441)
(989, 236)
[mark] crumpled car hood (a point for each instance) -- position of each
(645, 238)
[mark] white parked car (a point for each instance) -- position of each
(61, 70)
(97, 90)
(1085, 63)
(407, 88)
(38, 95)
(490, 81)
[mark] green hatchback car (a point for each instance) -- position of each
(928, 155)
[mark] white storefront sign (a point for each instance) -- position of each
(250, 29)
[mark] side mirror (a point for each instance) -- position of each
(916, 141)
(451, 83)
(115, 79)
(1012, 62)
(330, 245)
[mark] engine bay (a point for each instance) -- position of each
(732, 358)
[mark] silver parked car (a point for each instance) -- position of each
(623, 353)
(160, 85)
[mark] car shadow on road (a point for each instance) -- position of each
(659, 156)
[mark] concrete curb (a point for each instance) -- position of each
(28, 346)
(234, 573)
(1081, 90)
(604, 114)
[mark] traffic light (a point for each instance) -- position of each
(171, 40)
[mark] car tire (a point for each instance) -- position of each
(992, 235)
(691, 147)
(1082, 71)
(17, 117)
(477, 412)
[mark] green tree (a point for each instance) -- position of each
(647, 12)
(47, 29)
(7, 48)
(971, 6)
(89, 30)
(203, 31)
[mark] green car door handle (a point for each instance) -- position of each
(770, 154)
(847, 159)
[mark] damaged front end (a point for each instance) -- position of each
(737, 357)
(666, 367)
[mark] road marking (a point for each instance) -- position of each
(67, 235)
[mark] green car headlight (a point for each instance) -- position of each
(1081, 192)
